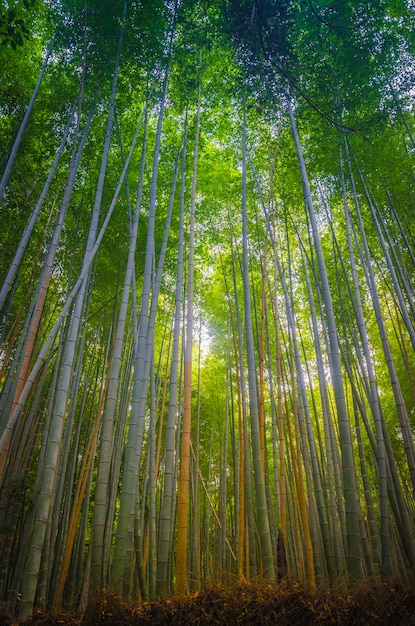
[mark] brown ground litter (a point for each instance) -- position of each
(388, 603)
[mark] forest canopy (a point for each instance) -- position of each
(207, 312)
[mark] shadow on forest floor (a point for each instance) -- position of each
(284, 604)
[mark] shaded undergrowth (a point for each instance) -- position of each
(285, 604)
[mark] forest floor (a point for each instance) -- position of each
(284, 604)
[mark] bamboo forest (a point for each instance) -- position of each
(207, 305)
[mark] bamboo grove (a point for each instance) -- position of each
(207, 362)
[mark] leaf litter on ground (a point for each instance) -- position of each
(287, 603)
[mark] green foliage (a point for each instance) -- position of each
(14, 27)
(349, 68)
